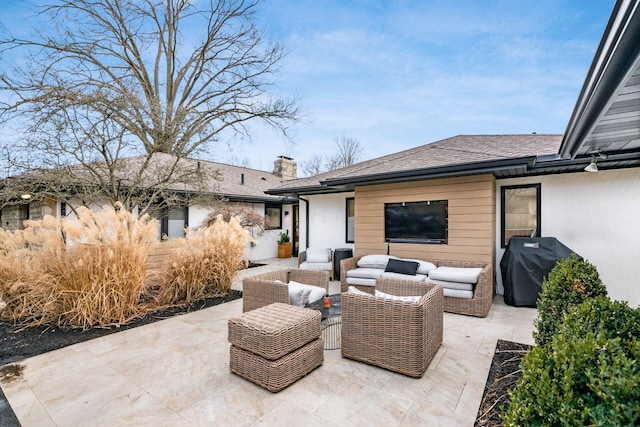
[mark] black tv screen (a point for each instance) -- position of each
(416, 222)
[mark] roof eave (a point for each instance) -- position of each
(477, 168)
(615, 60)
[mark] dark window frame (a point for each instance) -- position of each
(164, 221)
(346, 219)
(503, 191)
(277, 207)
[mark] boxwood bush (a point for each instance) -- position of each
(569, 283)
(587, 375)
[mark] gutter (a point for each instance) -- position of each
(437, 172)
(614, 62)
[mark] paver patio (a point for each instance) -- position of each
(175, 372)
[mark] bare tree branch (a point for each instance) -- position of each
(349, 152)
(116, 79)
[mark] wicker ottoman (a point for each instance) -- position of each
(276, 345)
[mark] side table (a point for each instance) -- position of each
(331, 324)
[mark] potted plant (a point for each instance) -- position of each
(284, 245)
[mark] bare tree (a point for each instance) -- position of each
(116, 80)
(349, 152)
(313, 165)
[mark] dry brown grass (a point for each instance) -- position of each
(93, 271)
(77, 273)
(204, 265)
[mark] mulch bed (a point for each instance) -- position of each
(17, 343)
(503, 375)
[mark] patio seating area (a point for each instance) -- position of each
(176, 372)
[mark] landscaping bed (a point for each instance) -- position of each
(503, 375)
(17, 343)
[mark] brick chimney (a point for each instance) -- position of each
(285, 168)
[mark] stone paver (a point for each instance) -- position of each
(175, 372)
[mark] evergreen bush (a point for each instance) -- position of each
(569, 283)
(587, 375)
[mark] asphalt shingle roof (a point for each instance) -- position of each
(457, 150)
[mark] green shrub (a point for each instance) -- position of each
(605, 318)
(586, 381)
(587, 375)
(570, 282)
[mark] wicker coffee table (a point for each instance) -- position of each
(331, 323)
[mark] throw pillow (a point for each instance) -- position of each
(424, 267)
(354, 290)
(298, 296)
(397, 297)
(374, 261)
(402, 267)
(315, 292)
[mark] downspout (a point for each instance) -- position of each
(306, 222)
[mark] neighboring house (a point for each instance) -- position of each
(492, 187)
(235, 184)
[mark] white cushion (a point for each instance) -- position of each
(452, 285)
(457, 293)
(298, 296)
(424, 267)
(321, 266)
(365, 273)
(354, 290)
(360, 281)
(318, 255)
(416, 278)
(374, 261)
(398, 298)
(316, 292)
(456, 274)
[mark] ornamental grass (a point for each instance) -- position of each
(204, 264)
(77, 273)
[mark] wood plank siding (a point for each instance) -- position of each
(472, 217)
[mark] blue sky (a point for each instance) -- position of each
(399, 74)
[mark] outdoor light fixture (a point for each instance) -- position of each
(25, 196)
(286, 213)
(593, 166)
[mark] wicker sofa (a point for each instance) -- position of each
(479, 305)
(401, 336)
(267, 288)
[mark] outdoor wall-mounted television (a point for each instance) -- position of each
(416, 222)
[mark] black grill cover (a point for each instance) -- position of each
(525, 264)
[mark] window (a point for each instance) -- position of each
(23, 215)
(520, 212)
(174, 222)
(273, 216)
(351, 219)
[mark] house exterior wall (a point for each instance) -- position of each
(327, 219)
(598, 216)
(472, 218)
(11, 216)
(265, 246)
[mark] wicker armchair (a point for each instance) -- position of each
(397, 335)
(478, 306)
(263, 289)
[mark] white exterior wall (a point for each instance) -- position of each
(266, 246)
(327, 221)
(598, 216)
